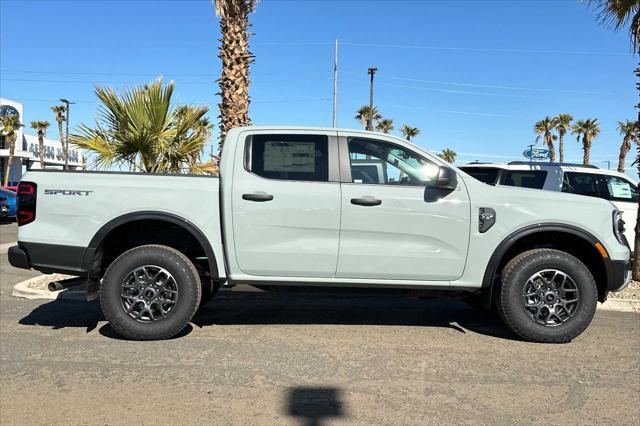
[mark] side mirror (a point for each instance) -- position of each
(447, 179)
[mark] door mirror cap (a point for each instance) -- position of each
(447, 179)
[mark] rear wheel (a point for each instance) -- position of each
(150, 292)
(547, 296)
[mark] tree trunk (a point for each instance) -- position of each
(624, 149)
(234, 81)
(636, 245)
(585, 156)
(561, 146)
(41, 147)
(552, 150)
(12, 150)
(61, 134)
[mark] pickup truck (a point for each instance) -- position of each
(289, 208)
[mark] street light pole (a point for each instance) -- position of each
(66, 135)
(371, 71)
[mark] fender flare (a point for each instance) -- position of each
(495, 259)
(96, 242)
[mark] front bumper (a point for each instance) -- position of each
(618, 274)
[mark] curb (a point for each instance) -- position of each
(23, 291)
(620, 305)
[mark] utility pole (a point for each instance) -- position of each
(371, 71)
(335, 85)
(608, 164)
(66, 135)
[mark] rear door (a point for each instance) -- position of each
(391, 227)
(286, 204)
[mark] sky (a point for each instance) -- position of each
(474, 76)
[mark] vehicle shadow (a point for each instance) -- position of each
(312, 405)
(264, 308)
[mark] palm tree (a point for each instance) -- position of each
(59, 112)
(366, 113)
(385, 125)
(589, 129)
(629, 131)
(545, 128)
(140, 129)
(235, 56)
(563, 125)
(9, 125)
(448, 155)
(409, 132)
(41, 128)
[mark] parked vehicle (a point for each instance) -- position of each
(4, 208)
(11, 202)
(287, 210)
(591, 181)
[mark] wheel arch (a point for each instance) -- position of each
(543, 235)
(93, 251)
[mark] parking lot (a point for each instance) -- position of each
(258, 358)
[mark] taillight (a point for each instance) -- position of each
(26, 206)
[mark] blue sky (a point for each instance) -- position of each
(472, 75)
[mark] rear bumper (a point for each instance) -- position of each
(48, 258)
(618, 274)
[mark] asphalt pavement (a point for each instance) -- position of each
(251, 357)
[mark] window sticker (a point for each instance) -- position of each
(290, 157)
(620, 189)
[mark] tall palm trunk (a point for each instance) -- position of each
(561, 146)
(61, 135)
(636, 245)
(12, 150)
(552, 150)
(41, 147)
(234, 81)
(586, 147)
(624, 149)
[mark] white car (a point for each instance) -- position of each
(591, 181)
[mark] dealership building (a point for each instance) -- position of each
(27, 154)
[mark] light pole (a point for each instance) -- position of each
(66, 134)
(371, 71)
(608, 164)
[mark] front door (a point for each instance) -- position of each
(286, 204)
(391, 227)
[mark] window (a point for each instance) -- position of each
(581, 183)
(524, 178)
(483, 174)
(288, 157)
(620, 189)
(377, 162)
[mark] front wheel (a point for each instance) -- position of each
(547, 296)
(150, 292)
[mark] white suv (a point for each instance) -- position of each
(591, 181)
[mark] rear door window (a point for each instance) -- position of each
(581, 183)
(524, 178)
(619, 189)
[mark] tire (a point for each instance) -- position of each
(541, 279)
(157, 284)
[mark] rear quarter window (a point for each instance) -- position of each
(524, 178)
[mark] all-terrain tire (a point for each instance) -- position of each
(187, 300)
(511, 304)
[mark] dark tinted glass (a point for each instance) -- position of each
(483, 174)
(581, 183)
(289, 157)
(524, 178)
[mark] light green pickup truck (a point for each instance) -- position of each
(321, 207)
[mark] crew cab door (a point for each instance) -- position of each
(286, 204)
(393, 226)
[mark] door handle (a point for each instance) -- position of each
(366, 201)
(259, 197)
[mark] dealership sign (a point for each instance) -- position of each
(534, 154)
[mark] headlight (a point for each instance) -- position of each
(618, 227)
